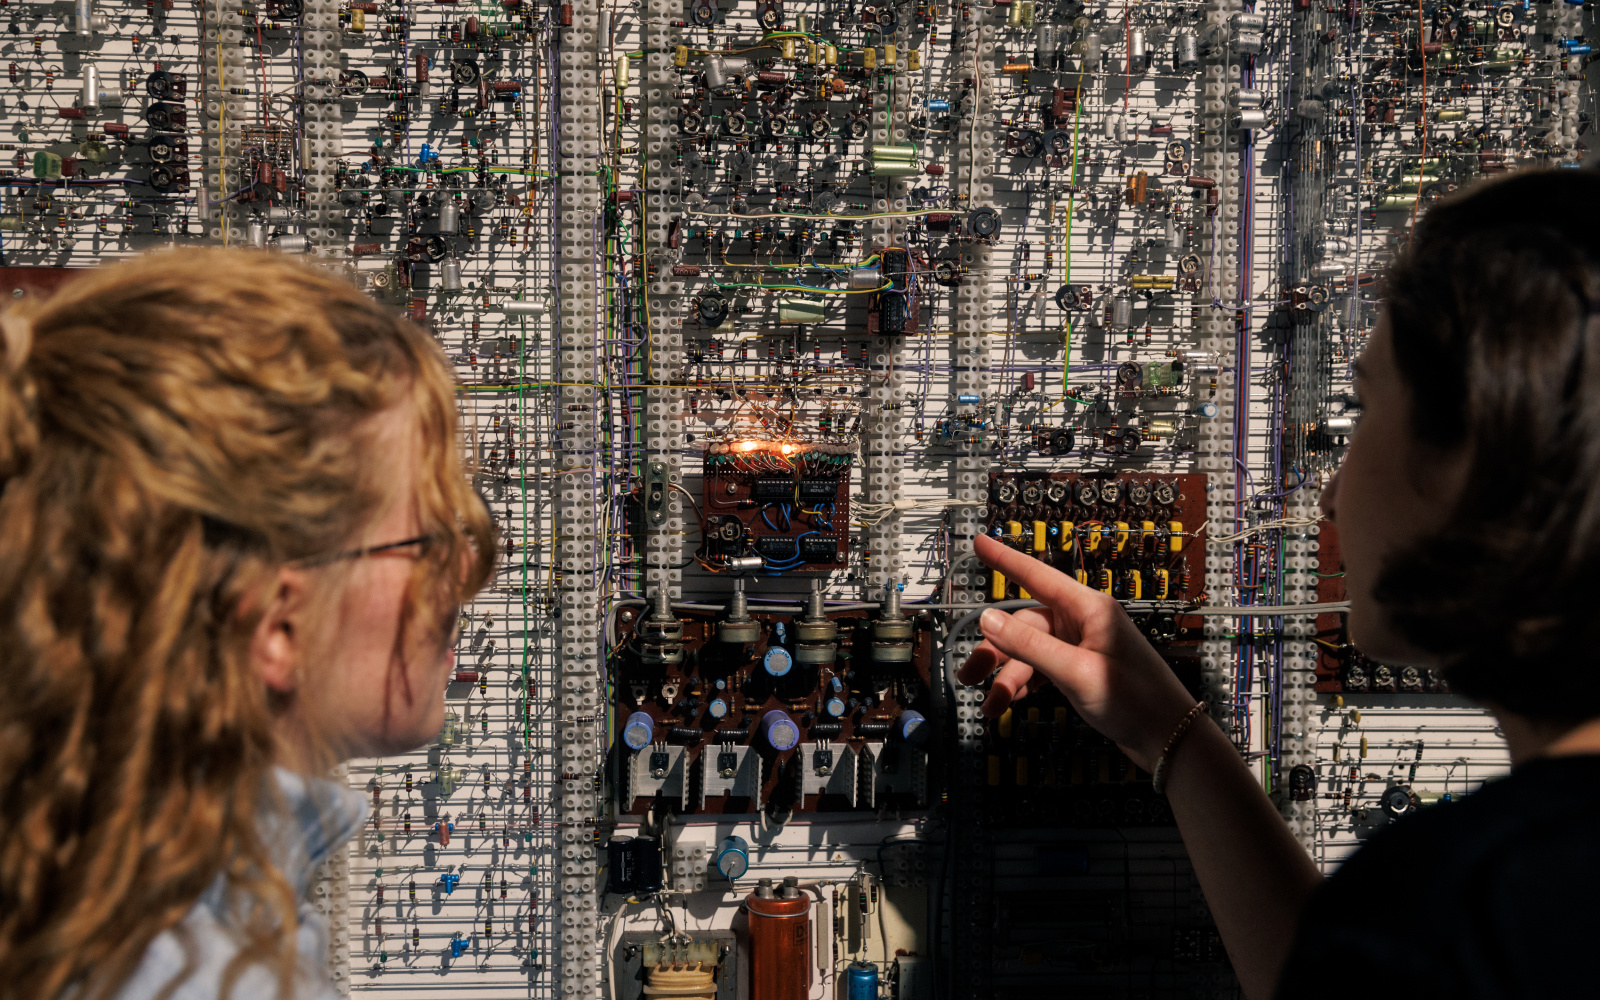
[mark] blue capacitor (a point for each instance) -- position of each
(834, 707)
(912, 727)
(938, 104)
(861, 981)
(718, 708)
(1572, 44)
(733, 858)
(777, 661)
(1207, 409)
(780, 730)
(969, 397)
(458, 945)
(1578, 50)
(638, 731)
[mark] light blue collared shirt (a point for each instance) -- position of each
(321, 816)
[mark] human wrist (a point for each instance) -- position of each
(1160, 768)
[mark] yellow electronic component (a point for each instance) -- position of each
(1066, 536)
(1122, 535)
(1013, 531)
(1022, 592)
(994, 769)
(890, 51)
(1014, 16)
(680, 56)
(914, 60)
(813, 53)
(1105, 581)
(1135, 585)
(1091, 538)
(1003, 725)
(1022, 770)
(1338, 751)
(1083, 577)
(1363, 748)
(997, 586)
(1175, 536)
(1147, 535)
(1153, 283)
(1033, 715)
(786, 48)
(1163, 584)
(1061, 715)
(1355, 716)
(830, 54)
(358, 19)
(1038, 536)
(869, 58)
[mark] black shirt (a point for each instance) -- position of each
(1496, 895)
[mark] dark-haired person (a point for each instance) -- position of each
(235, 532)
(1468, 508)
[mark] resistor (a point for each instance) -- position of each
(1412, 777)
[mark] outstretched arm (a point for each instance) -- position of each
(1253, 872)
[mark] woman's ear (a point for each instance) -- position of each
(278, 646)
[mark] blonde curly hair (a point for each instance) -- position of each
(173, 431)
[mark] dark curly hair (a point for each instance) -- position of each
(1494, 325)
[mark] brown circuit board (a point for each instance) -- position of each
(1108, 530)
(678, 699)
(787, 502)
(1341, 667)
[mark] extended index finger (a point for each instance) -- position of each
(1047, 584)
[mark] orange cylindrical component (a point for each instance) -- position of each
(780, 943)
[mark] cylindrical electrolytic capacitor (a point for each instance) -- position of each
(861, 981)
(1186, 54)
(715, 72)
(449, 217)
(622, 876)
(865, 278)
(647, 863)
(638, 731)
(1044, 45)
(257, 234)
(1136, 49)
(733, 858)
(1091, 52)
(718, 709)
(91, 88)
(780, 942)
(777, 661)
(450, 275)
(1121, 313)
(834, 706)
(912, 727)
(779, 730)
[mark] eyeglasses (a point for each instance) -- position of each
(371, 550)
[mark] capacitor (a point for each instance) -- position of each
(938, 106)
(780, 942)
(1136, 50)
(638, 731)
(779, 730)
(777, 662)
(718, 709)
(449, 217)
(969, 399)
(733, 858)
(90, 99)
(913, 727)
(1091, 51)
(715, 73)
(1121, 313)
(1250, 118)
(524, 307)
(450, 275)
(1186, 50)
(622, 877)
(865, 278)
(256, 233)
(1044, 45)
(834, 706)
(861, 981)
(647, 869)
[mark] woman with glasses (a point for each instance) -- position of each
(235, 534)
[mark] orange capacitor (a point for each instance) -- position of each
(780, 941)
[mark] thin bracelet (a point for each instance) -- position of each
(1158, 777)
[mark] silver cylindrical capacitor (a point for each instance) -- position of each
(863, 278)
(91, 88)
(1091, 51)
(84, 19)
(449, 217)
(1044, 45)
(1136, 49)
(291, 243)
(1246, 97)
(1170, 232)
(1113, 126)
(1122, 313)
(257, 234)
(1186, 54)
(524, 307)
(715, 72)
(450, 275)
(1250, 118)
